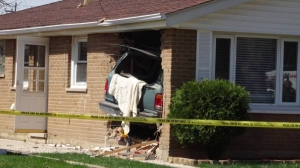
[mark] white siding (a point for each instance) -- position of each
(204, 55)
(257, 16)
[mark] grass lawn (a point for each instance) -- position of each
(109, 162)
(21, 161)
(115, 162)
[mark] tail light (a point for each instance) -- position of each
(158, 103)
(106, 87)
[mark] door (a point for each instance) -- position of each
(31, 83)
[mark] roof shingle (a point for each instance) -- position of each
(66, 12)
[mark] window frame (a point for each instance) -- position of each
(3, 45)
(278, 107)
(74, 61)
(232, 55)
(297, 103)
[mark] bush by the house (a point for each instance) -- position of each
(211, 100)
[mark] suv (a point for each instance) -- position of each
(144, 65)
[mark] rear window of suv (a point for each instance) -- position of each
(141, 66)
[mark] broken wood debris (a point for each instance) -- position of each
(129, 147)
(143, 151)
(95, 151)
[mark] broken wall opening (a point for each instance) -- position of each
(143, 68)
(139, 132)
(139, 65)
(142, 39)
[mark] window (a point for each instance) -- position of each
(34, 68)
(79, 63)
(2, 58)
(223, 54)
(266, 67)
(255, 57)
(289, 72)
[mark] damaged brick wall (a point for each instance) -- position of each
(6, 83)
(178, 62)
(100, 59)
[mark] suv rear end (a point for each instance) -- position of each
(143, 65)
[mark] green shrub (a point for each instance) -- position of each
(211, 100)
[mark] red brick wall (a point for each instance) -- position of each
(267, 143)
(256, 143)
(7, 96)
(100, 59)
(178, 62)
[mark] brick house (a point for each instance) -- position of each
(53, 60)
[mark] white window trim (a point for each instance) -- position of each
(281, 74)
(74, 61)
(2, 75)
(198, 53)
(278, 107)
(25, 83)
(232, 56)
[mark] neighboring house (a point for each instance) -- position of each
(52, 59)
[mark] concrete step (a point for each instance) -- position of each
(38, 135)
(40, 138)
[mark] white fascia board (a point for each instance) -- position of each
(48, 28)
(129, 20)
(109, 29)
(99, 29)
(137, 19)
(201, 10)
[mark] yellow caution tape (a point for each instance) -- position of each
(226, 123)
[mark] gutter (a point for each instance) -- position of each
(137, 19)
(129, 20)
(48, 28)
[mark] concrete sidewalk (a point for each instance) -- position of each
(30, 148)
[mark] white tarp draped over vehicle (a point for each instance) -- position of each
(128, 92)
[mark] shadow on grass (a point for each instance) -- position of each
(253, 164)
(14, 153)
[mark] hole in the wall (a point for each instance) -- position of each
(142, 39)
(143, 67)
(139, 132)
(143, 131)
(147, 40)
